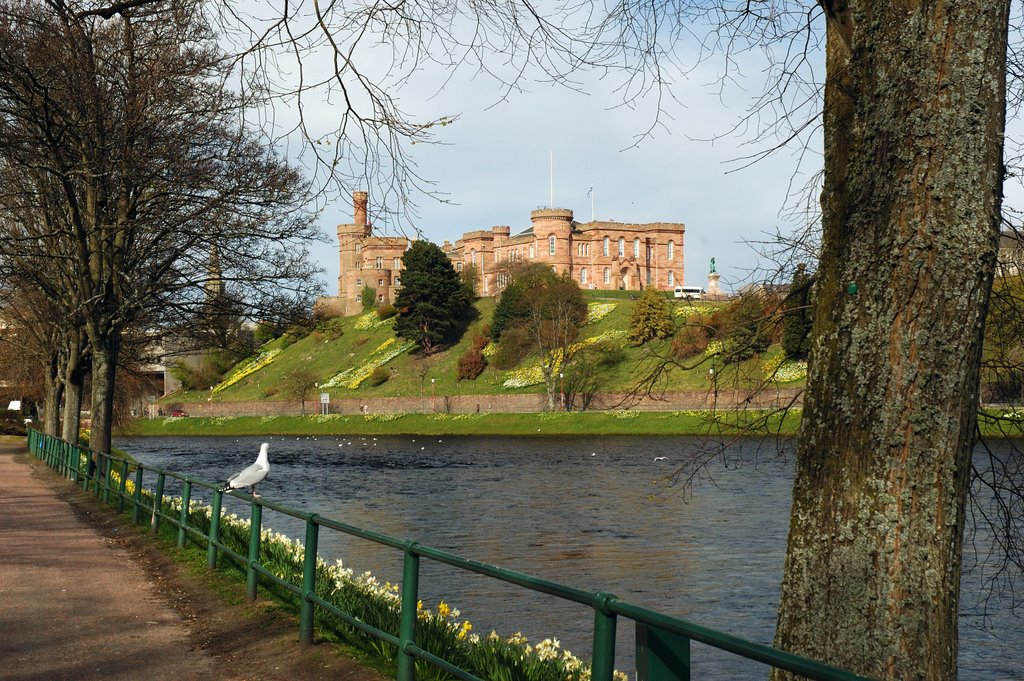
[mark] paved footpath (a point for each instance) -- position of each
(62, 593)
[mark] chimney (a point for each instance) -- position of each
(359, 207)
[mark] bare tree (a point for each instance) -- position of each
(123, 141)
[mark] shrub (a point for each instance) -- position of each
(387, 311)
(368, 298)
(379, 376)
(361, 340)
(691, 340)
(472, 363)
(513, 348)
(651, 318)
(270, 391)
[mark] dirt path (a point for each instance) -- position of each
(84, 595)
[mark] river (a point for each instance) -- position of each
(593, 513)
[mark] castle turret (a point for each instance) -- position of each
(552, 230)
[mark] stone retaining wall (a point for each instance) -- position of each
(724, 399)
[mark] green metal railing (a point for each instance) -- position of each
(72, 461)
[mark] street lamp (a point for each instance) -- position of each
(432, 407)
(561, 389)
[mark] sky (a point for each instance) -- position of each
(579, 149)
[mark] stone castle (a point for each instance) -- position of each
(597, 254)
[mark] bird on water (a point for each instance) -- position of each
(251, 476)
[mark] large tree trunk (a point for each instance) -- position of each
(74, 382)
(914, 115)
(54, 391)
(104, 349)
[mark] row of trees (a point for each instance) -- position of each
(135, 207)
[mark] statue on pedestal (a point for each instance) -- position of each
(712, 270)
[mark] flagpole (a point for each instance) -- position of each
(552, 178)
(591, 203)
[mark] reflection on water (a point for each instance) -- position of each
(585, 512)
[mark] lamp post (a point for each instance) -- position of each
(561, 388)
(433, 409)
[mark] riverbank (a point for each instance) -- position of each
(698, 423)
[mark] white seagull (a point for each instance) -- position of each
(251, 476)
(660, 458)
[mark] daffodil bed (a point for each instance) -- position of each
(441, 631)
(353, 377)
(250, 367)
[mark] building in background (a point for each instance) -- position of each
(599, 254)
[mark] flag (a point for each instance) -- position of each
(591, 190)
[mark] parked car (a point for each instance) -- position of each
(179, 413)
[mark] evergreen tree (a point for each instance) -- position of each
(798, 319)
(434, 306)
(650, 319)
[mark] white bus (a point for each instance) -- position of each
(690, 292)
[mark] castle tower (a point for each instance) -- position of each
(552, 232)
(350, 243)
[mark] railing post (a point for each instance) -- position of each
(137, 496)
(407, 624)
(307, 609)
(255, 533)
(106, 477)
(602, 664)
(211, 547)
(186, 499)
(122, 486)
(158, 502)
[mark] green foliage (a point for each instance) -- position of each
(798, 316)
(387, 311)
(434, 306)
(748, 332)
(12, 422)
(651, 318)
(379, 376)
(512, 309)
(368, 298)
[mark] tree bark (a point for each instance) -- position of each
(105, 349)
(54, 391)
(913, 121)
(74, 386)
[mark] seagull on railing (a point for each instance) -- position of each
(251, 476)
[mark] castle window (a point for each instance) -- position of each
(397, 264)
(650, 251)
(604, 247)
(583, 275)
(671, 251)
(622, 247)
(551, 245)
(531, 251)
(472, 257)
(380, 282)
(398, 281)
(648, 277)
(359, 282)
(607, 275)
(380, 263)
(359, 247)
(671, 278)
(636, 248)
(458, 267)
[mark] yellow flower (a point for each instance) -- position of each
(443, 610)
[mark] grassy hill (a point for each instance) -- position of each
(341, 352)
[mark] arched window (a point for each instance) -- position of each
(472, 257)
(622, 247)
(636, 248)
(604, 247)
(583, 275)
(671, 277)
(607, 275)
(531, 251)
(551, 245)
(671, 249)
